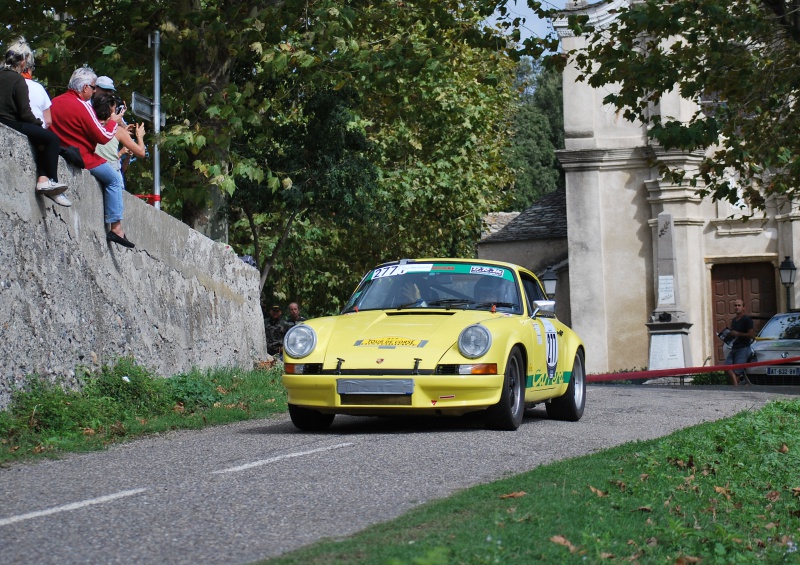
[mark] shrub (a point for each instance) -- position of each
(133, 387)
(193, 390)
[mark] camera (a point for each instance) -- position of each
(119, 105)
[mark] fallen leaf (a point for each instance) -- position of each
(620, 485)
(784, 449)
(796, 491)
(561, 540)
(652, 542)
(88, 431)
(598, 492)
(723, 491)
(518, 494)
(13, 449)
(770, 526)
(604, 555)
(773, 495)
(686, 559)
(221, 390)
(643, 509)
(643, 477)
(179, 408)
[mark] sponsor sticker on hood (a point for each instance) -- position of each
(391, 342)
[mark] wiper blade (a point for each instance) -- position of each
(450, 302)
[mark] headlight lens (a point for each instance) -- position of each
(300, 341)
(474, 341)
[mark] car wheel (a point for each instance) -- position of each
(570, 406)
(507, 414)
(310, 420)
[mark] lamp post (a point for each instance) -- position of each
(788, 272)
(550, 281)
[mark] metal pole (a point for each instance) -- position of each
(788, 298)
(157, 118)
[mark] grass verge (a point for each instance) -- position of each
(722, 492)
(124, 401)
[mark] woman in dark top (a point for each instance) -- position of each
(15, 112)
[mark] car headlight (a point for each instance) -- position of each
(474, 341)
(300, 341)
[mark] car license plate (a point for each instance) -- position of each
(783, 370)
(375, 386)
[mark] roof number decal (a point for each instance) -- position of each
(394, 270)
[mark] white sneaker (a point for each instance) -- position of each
(60, 199)
(50, 187)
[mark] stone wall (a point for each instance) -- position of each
(69, 299)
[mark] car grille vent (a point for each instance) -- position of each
(419, 312)
(447, 369)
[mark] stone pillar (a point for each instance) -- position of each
(668, 326)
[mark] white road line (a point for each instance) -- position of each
(279, 458)
(73, 506)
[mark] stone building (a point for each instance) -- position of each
(652, 268)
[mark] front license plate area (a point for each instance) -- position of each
(783, 370)
(376, 399)
(375, 386)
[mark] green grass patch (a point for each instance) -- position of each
(724, 492)
(124, 401)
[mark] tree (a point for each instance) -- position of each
(239, 81)
(737, 59)
(538, 132)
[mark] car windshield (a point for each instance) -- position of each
(782, 327)
(437, 285)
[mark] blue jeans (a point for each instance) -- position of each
(111, 182)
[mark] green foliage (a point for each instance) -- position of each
(193, 391)
(728, 56)
(134, 388)
(538, 132)
(408, 166)
(718, 378)
(721, 492)
(126, 400)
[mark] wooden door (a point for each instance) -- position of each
(754, 283)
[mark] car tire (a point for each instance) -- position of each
(508, 413)
(570, 406)
(310, 420)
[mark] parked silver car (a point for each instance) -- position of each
(778, 339)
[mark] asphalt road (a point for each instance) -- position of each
(247, 491)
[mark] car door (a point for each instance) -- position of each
(544, 340)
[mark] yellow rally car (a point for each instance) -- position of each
(438, 337)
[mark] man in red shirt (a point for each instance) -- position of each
(76, 124)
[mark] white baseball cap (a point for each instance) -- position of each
(105, 83)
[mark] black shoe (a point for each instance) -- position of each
(122, 240)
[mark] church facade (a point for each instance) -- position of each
(652, 268)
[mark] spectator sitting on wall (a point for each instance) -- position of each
(273, 327)
(75, 124)
(105, 105)
(16, 113)
(111, 151)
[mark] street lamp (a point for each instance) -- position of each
(549, 280)
(788, 272)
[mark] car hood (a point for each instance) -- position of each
(393, 339)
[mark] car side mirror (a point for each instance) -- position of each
(543, 307)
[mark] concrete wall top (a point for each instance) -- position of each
(69, 299)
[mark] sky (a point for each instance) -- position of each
(533, 25)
